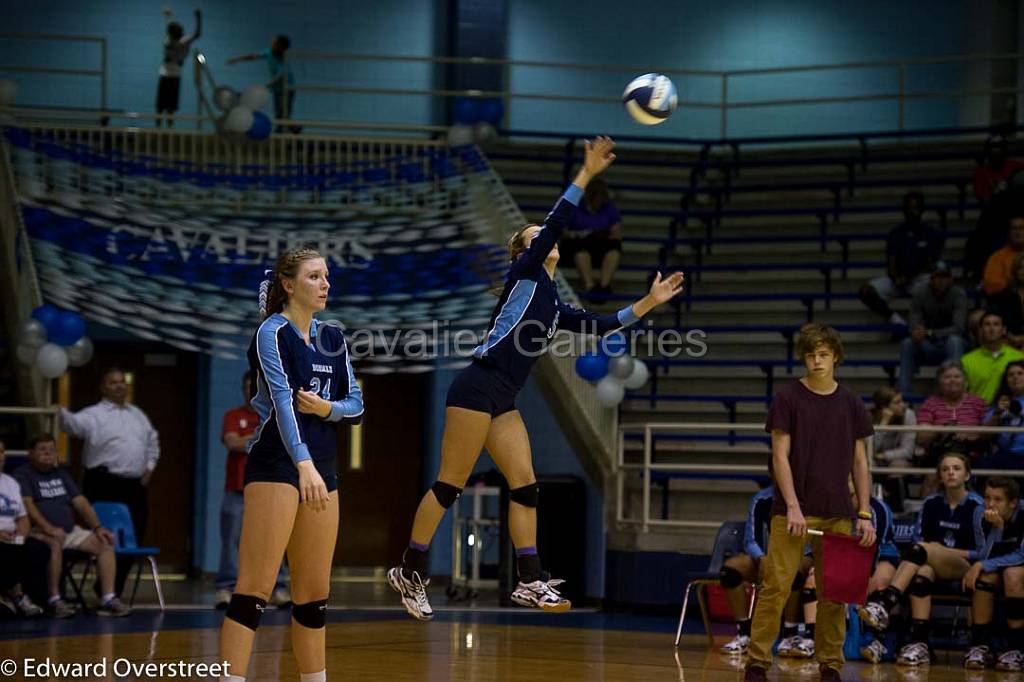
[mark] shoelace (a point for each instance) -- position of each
(419, 589)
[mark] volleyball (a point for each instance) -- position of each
(650, 99)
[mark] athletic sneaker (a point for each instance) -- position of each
(60, 609)
(113, 608)
(874, 652)
(1011, 661)
(542, 594)
(787, 645)
(978, 657)
(914, 654)
(875, 615)
(26, 607)
(222, 599)
(413, 591)
(280, 597)
(804, 648)
(737, 646)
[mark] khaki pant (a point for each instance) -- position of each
(780, 567)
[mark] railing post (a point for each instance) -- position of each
(646, 496)
(902, 92)
(724, 124)
(103, 75)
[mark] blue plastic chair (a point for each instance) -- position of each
(116, 517)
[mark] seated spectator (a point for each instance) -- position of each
(594, 238)
(1009, 303)
(52, 500)
(893, 448)
(984, 366)
(911, 252)
(1006, 411)
(938, 317)
(995, 169)
(952, 406)
(19, 561)
(999, 266)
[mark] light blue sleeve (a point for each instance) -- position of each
(272, 365)
(979, 535)
(916, 537)
(351, 406)
(1012, 559)
(750, 545)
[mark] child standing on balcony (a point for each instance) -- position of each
(818, 429)
(176, 46)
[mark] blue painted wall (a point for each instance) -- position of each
(735, 34)
(135, 33)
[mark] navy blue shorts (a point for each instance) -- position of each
(482, 389)
(277, 467)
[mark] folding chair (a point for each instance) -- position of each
(728, 542)
(116, 517)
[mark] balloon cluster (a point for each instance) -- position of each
(52, 339)
(613, 369)
(244, 115)
(476, 120)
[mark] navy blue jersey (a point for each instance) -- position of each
(881, 516)
(759, 522)
(283, 364)
(1004, 546)
(529, 311)
(958, 527)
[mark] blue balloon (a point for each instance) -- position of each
(467, 110)
(47, 315)
(614, 345)
(491, 111)
(592, 367)
(261, 126)
(67, 328)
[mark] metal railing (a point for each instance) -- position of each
(99, 73)
(647, 466)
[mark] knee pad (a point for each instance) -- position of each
(985, 586)
(246, 610)
(798, 582)
(920, 587)
(1014, 608)
(729, 577)
(808, 596)
(311, 615)
(526, 496)
(916, 554)
(445, 493)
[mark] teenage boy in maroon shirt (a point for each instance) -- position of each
(818, 429)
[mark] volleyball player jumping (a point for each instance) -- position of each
(305, 387)
(480, 409)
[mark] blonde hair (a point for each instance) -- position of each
(272, 294)
(516, 244)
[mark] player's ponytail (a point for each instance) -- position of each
(273, 296)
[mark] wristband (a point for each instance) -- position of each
(867, 516)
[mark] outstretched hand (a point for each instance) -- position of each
(662, 290)
(598, 154)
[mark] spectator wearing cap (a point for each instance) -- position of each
(1009, 303)
(910, 252)
(937, 320)
(984, 366)
(999, 266)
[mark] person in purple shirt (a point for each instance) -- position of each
(594, 238)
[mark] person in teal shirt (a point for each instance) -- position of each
(280, 76)
(985, 365)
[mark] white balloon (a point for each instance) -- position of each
(8, 92)
(80, 352)
(459, 135)
(224, 97)
(52, 361)
(255, 97)
(27, 354)
(639, 376)
(610, 391)
(484, 133)
(238, 120)
(32, 334)
(620, 367)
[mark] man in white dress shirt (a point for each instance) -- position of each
(121, 451)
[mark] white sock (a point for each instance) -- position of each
(107, 597)
(54, 599)
(314, 677)
(232, 678)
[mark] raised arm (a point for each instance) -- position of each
(585, 322)
(244, 58)
(194, 36)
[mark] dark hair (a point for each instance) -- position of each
(517, 243)
(813, 334)
(1004, 385)
(959, 455)
(287, 266)
(1007, 485)
(882, 398)
(989, 313)
(175, 30)
(597, 189)
(914, 194)
(247, 376)
(40, 438)
(110, 370)
(283, 41)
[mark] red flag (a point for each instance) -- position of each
(847, 568)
